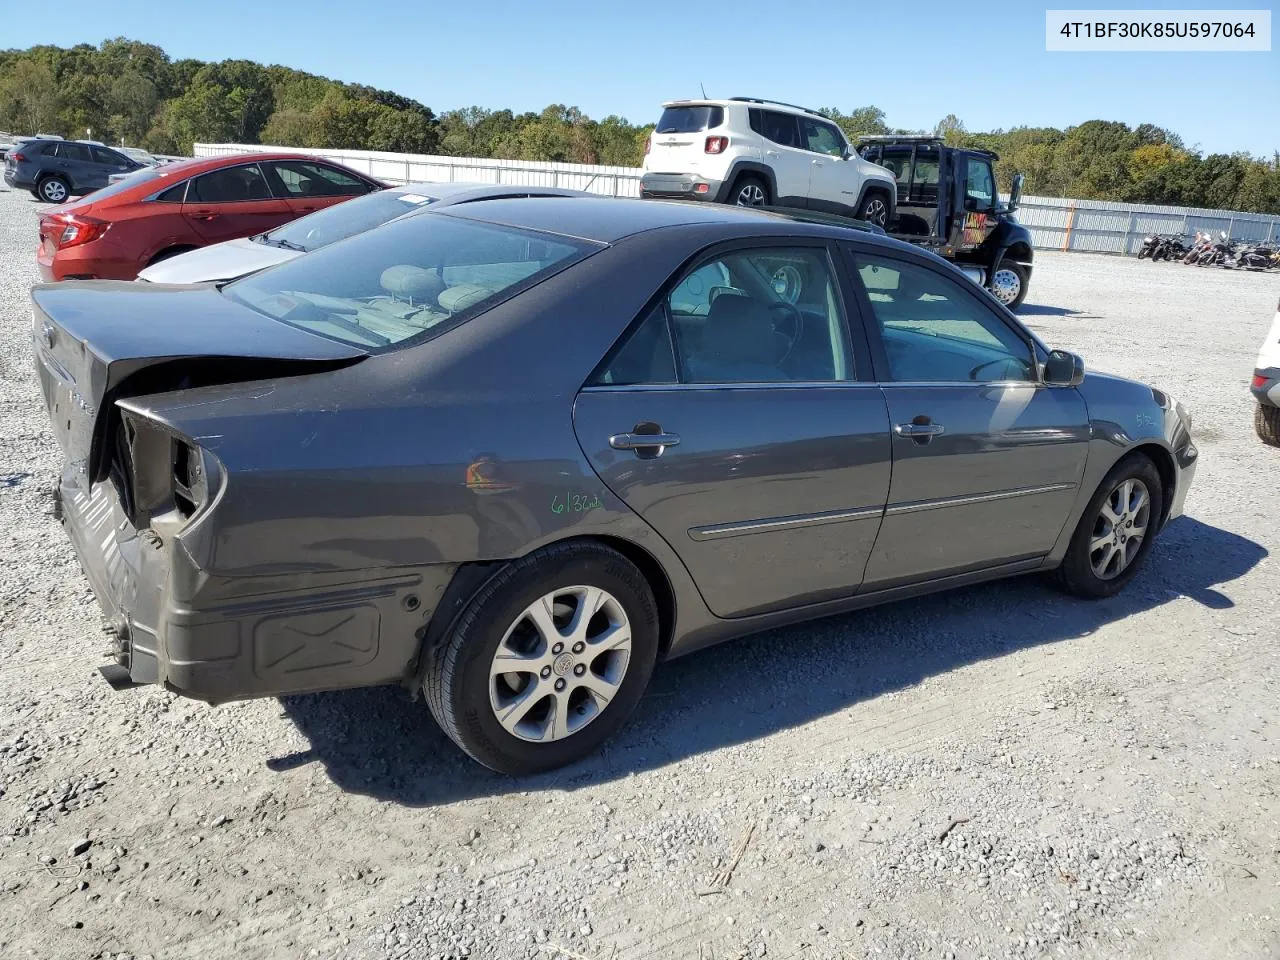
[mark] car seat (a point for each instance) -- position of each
(739, 343)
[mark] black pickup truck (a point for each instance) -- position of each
(947, 201)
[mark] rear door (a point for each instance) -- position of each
(233, 202)
(308, 186)
(733, 420)
(791, 165)
(987, 461)
(75, 163)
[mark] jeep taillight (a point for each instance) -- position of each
(648, 142)
(716, 144)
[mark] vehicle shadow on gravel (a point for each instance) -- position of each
(380, 743)
(1039, 310)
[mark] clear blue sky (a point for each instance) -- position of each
(983, 60)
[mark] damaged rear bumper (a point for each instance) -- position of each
(218, 639)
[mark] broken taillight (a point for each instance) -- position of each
(716, 144)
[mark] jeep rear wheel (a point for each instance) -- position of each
(750, 191)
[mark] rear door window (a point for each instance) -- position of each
(231, 185)
(689, 119)
(74, 151)
(110, 157)
(782, 128)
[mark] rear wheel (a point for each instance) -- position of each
(1009, 283)
(53, 190)
(1266, 420)
(549, 659)
(1116, 531)
(875, 209)
(750, 191)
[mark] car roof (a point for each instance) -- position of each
(610, 219)
(777, 105)
(457, 191)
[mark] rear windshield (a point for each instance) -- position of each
(128, 182)
(407, 280)
(689, 119)
(346, 219)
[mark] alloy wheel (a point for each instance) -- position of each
(1120, 529)
(876, 212)
(750, 196)
(560, 663)
(55, 191)
(1006, 285)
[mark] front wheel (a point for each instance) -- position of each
(548, 660)
(1009, 283)
(874, 209)
(1116, 531)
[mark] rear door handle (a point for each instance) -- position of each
(771, 153)
(206, 216)
(643, 441)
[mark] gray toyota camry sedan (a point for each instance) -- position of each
(514, 453)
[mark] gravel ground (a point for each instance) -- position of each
(994, 772)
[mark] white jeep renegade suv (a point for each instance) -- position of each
(759, 153)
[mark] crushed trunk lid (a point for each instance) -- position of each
(98, 341)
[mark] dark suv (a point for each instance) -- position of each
(55, 170)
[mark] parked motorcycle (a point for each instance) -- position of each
(1257, 256)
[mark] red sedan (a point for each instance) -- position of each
(156, 213)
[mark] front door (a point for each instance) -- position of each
(833, 184)
(732, 420)
(233, 202)
(978, 218)
(987, 462)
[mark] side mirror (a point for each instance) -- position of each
(1015, 191)
(1063, 369)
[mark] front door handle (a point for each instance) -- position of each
(643, 441)
(918, 431)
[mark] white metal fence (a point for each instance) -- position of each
(1096, 226)
(418, 167)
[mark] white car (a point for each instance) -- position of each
(761, 153)
(1266, 386)
(236, 258)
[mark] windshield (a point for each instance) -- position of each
(405, 279)
(689, 119)
(346, 219)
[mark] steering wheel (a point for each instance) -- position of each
(797, 321)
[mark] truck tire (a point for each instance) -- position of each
(1266, 421)
(1009, 283)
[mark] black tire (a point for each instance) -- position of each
(1014, 301)
(457, 677)
(168, 255)
(874, 208)
(1076, 575)
(53, 189)
(1266, 420)
(750, 191)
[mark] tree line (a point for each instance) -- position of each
(132, 92)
